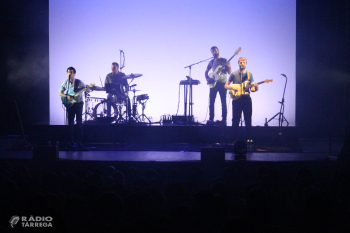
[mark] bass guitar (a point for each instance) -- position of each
(217, 73)
(242, 89)
(69, 103)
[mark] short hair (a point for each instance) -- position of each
(71, 68)
(242, 59)
(214, 47)
(115, 64)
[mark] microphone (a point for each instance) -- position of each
(284, 75)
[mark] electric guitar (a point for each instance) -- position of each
(69, 103)
(242, 89)
(216, 74)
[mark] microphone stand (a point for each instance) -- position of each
(190, 105)
(280, 114)
(66, 118)
(26, 145)
(121, 53)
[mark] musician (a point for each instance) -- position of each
(244, 103)
(220, 84)
(77, 87)
(120, 93)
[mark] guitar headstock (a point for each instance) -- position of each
(237, 51)
(268, 80)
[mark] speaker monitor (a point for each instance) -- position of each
(240, 148)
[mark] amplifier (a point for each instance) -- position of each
(181, 119)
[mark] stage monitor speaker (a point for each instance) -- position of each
(177, 119)
(213, 157)
(45, 153)
(240, 148)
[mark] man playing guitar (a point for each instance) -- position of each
(217, 85)
(73, 101)
(244, 103)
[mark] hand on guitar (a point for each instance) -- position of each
(70, 98)
(255, 87)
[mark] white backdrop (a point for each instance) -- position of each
(161, 37)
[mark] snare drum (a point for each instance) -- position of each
(142, 97)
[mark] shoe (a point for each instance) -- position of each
(210, 122)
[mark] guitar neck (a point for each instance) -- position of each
(251, 85)
(238, 50)
(80, 90)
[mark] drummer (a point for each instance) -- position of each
(120, 91)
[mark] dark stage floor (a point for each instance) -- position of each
(170, 156)
(308, 150)
(162, 143)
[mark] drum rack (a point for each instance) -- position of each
(94, 113)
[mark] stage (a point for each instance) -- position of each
(171, 143)
(163, 134)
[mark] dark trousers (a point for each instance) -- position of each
(76, 111)
(219, 87)
(113, 99)
(243, 104)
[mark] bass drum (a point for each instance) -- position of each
(142, 97)
(105, 111)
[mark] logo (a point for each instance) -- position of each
(31, 221)
(14, 220)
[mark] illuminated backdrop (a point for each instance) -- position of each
(161, 37)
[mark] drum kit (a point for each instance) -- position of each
(115, 109)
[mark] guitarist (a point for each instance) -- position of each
(244, 103)
(220, 83)
(76, 109)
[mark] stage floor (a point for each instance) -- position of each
(306, 150)
(170, 156)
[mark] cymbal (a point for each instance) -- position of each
(129, 76)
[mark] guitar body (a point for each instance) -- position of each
(236, 94)
(215, 76)
(68, 104)
(243, 88)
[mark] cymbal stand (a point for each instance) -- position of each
(120, 118)
(128, 101)
(143, 117)
(86, 113)
(134, 105)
